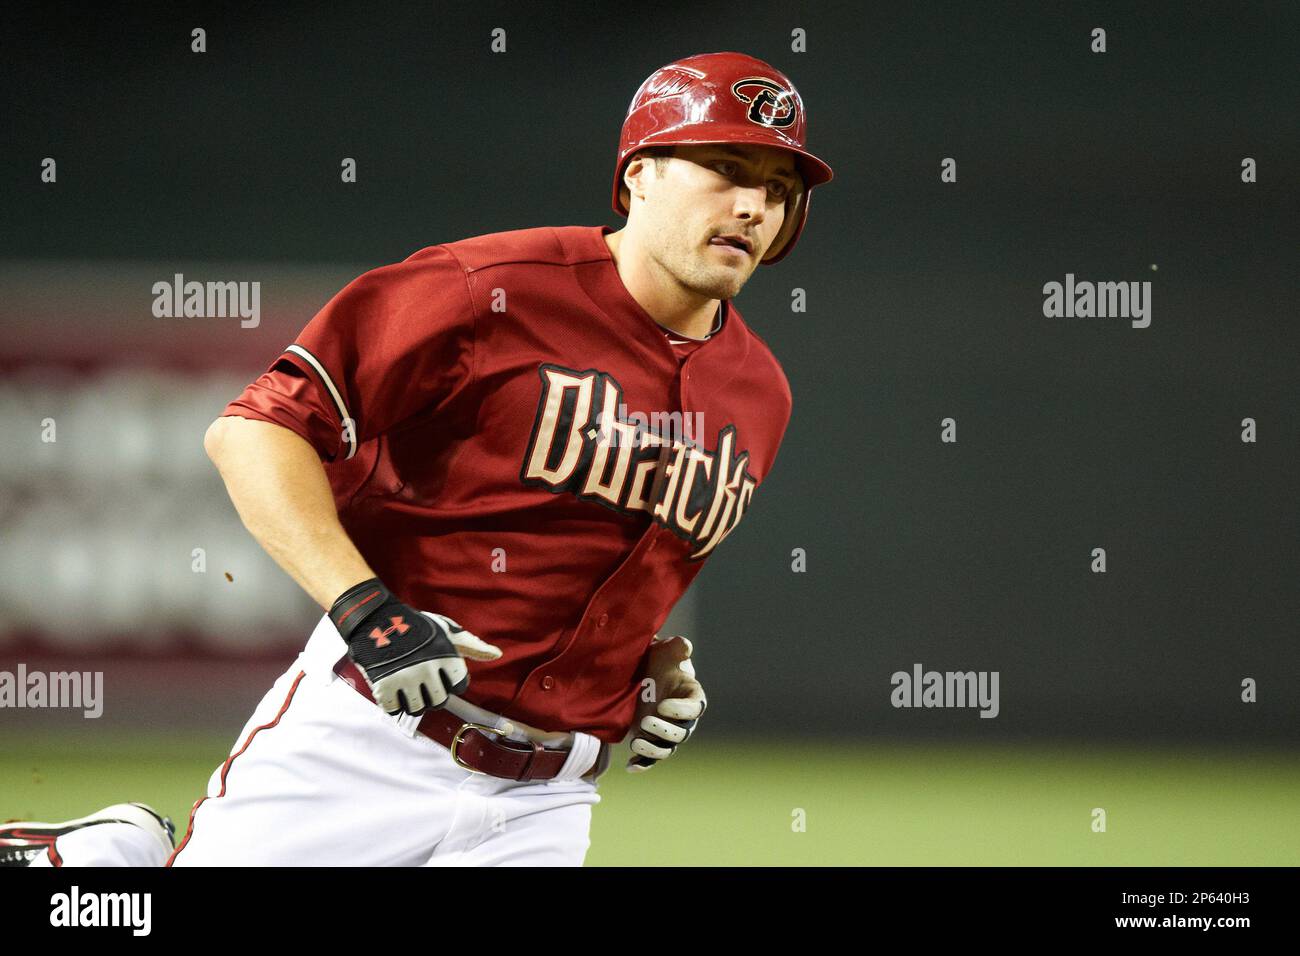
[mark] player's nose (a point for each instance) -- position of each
(750, 204)
(749, 207)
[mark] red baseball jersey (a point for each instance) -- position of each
(512, 441)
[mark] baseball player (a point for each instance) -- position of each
(470, 460)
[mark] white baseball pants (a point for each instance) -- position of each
(321, 776)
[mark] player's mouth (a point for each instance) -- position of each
(733, 244)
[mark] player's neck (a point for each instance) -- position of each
(672, 306)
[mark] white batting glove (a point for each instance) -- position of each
(676, 703)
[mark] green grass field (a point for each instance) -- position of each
(733, 803)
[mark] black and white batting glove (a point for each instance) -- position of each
(672, 702)
(411, 659)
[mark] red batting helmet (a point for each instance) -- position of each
(724, 98)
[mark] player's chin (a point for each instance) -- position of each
(732, 285)
(722, 282)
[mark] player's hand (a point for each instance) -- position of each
(411, 659)
(676, 703)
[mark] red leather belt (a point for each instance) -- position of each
(478, 747)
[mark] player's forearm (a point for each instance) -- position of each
(277, 483)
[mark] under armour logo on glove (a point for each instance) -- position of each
(381, 637)
(415, 662)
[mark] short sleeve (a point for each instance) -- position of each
(396, 342)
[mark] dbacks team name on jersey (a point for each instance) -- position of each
(580, 445)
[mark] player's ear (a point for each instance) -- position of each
(632, 174)
(641, 169)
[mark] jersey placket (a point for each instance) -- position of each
(645, 566)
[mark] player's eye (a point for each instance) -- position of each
(777, 189)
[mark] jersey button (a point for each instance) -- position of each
(548, 682)
(604, 619)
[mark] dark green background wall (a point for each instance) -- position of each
(924, 302)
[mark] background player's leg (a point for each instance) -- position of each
(513, 824)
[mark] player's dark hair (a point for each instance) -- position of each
(660, 155)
